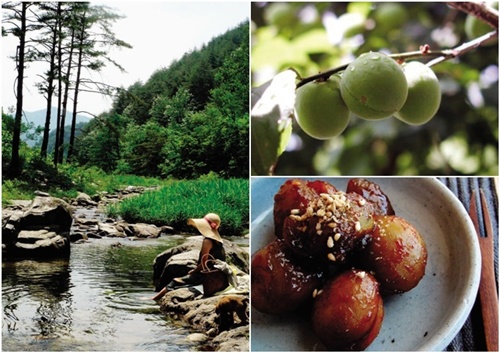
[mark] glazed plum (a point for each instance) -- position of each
(362, 344)
(332, 226)
(397, 255)
(280, 284)
(296, 194)
(372, 193)
(347, 311)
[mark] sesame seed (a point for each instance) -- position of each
(319, 232)
(295, 211)
(331, 257)
(336, 237)
(315, 292)
(357, 226)
(318, 226)
(361, 274)
(332, 225)
(321, 212)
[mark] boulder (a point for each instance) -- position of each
(177, 261)
(142, 230)
(109, 230)
(177, 265)
(199, 313)
(48, 213)
(38, 230)
(235, 340)
(82, 199)
(40, 245)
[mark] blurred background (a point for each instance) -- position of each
(462, 139)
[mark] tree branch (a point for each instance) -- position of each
(478, 9)
(425, 51)
(463, 48)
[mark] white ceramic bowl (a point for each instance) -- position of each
(426, 318)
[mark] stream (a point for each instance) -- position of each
(91, 302)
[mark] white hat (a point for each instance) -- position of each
(208, 226)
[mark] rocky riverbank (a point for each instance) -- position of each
(207, 315)
(45, 227)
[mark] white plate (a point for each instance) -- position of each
(426, 318)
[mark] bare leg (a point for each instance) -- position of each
(160, 294)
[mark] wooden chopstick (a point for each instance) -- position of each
(487, 287)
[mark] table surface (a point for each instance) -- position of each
(471, 336)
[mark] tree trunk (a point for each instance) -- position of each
(81, 37)
(15, 165)
(65, 97)
(50, 86)
(59, 93)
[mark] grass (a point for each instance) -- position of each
(68, 181)
(177, 201)
(172, 204)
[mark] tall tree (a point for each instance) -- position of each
(90, 54)
(49, 16)
(59, 88)
(66, 79)
(17, 19)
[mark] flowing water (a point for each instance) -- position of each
(91, 302)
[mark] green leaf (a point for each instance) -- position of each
(313, 41)
(272, 111)
(363, 8)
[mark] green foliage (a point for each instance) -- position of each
(66, 181)
(166, 110)
(15, 190)
(194, 73)
(140, 141)
(99, 144)
(315, 37)
(187, 120)
(7, 135)
(176, 202)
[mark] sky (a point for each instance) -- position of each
(159, 32)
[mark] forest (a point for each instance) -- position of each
(189, 119)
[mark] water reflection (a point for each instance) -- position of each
(46, 285)
(90, 303)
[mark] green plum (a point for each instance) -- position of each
(424, 94)
(374, 86)
(390, 15)
(320, 110)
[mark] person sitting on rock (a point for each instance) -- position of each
(211, 249)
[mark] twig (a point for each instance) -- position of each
(464, 48)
